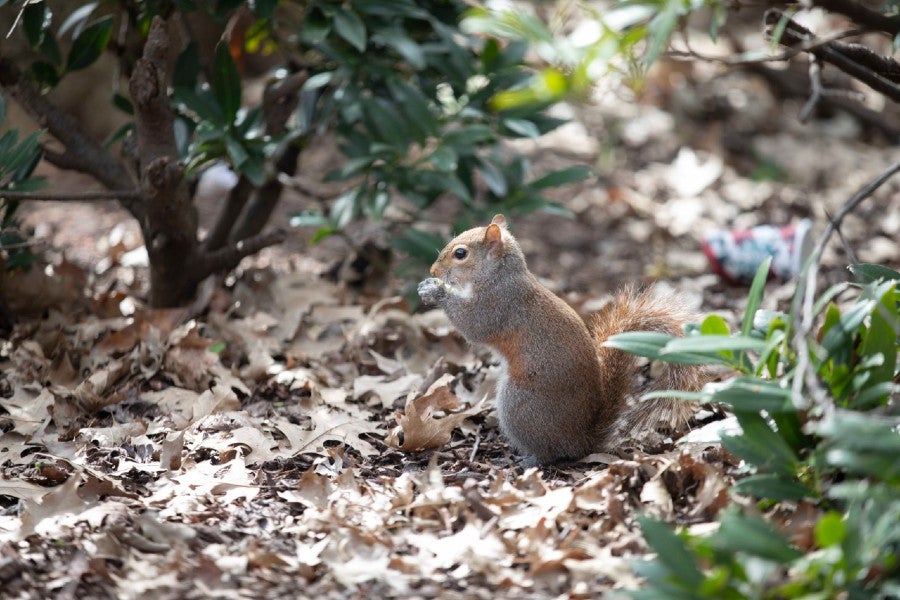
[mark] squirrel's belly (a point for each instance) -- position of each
(537, 426)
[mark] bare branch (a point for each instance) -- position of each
(82, 153)
(134, 194)
(788, 84)
(279, 101)
(228, 257)
(861, 15)
(228, 215)
(815, 81)
(750, 57)
(861, 63)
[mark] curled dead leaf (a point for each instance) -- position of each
(421, 430)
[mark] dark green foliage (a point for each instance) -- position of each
(841, 456)
(410, 97)
(17, 162)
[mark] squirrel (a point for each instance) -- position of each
(562, 394)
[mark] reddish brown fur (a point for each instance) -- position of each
(562, 394)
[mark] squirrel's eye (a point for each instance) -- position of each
(460, 253)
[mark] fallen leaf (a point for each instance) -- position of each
(420, 429)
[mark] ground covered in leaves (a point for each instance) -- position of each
(288, 436)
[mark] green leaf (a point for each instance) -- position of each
(839, 338)
(759, 445)
(771, 487)
(705, 344)
(50, 50)
(404, 46)
(76, 20)
(385, 123)
(671, 551)
(36, 18)
(561, 177)
(187, 67)
(867, 272)
(880, 338)
(2, 107)
(444, 159)
(494, 178)
(345, 208)
(415, 107)
(89, 44)
(751, 394)
(419, 244)
(755, 296)
(465, 138)
(753, 535)
(522, 128)
(122, 103)
(44, 73)
(830, 530)
(264, 9)
(350, 27)
(217, 348)
(226, 82)
(642, 343)
(714, 325)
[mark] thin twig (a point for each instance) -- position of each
(228, 257)
(788, 54)
(73, 196)
(815, 81)
(805, 298)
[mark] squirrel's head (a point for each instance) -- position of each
(477, 254)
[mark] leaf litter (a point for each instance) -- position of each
(284, 438)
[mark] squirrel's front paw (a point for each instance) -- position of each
(433, 290)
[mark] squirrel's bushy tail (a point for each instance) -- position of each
(628, 376)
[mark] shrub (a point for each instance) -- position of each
(404, 90)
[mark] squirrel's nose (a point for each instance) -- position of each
(434, 271)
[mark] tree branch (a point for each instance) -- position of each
(861, 15)
(73, 196)
(228, 257)
(82, 152)
(228, 215)
(858, 62)
(789, 83)
(279, 101)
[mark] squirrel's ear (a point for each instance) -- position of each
(499, 220)
(493, 235)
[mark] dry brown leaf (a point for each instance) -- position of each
(33, 291)
(421, 430)
(59, 501)
(657, 499)
(27, 408)
(386, 387)
(328, 424)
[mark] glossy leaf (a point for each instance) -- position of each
(226, 82)
(671, 551)
(868, 273)
(561, 177)
(36, 18)
(771, 487)
(754, 298)
(753, 535)
(89, 44)
(349, 26)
